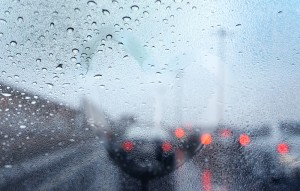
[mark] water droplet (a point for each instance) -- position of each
(75, 50)
(51, 25)
(3, 21)
(20, 19)
(7, 166)
(105, 12)
(59, 66)
(77, 10)
(178, 1)
(49, 85)
(70, 30)
(13, 43)
(238, 25)
(109, 36)
(97, 76)
(41, 38)
(134, 7)
(38, 60)
(73, 59)
(126, 18)
(146, 13)
(91, 3)
(22, 126)
(6, 94)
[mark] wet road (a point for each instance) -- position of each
(86, 166)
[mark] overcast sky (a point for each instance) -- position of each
(258, 43)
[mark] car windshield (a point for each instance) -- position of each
(149, 95)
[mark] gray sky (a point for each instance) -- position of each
(260, 52)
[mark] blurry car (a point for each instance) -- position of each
(143, 150)
(224, 154)
(274, 164)
(288, 152)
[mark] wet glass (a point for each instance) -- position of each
(149, 95)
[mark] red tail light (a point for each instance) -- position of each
(166, 147)
(244, 139)
(179, 133)
(206, 139)
(127, 146)
(283, 148)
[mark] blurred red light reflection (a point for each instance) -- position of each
(206, 180)
(127, 146)
(206, 139)
(244, 140)
(179, 133)
(226, 133)
(166, 147)
(283, 148)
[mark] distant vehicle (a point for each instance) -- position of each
(271, 155)
(288, 150)
(223, 153)
(141, 149)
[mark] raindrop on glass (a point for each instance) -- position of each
(134, 7)
(59, 66)
(22, 126)
(49, 85)
(70, 30)
(77, 10)
(75, 50)
(146, 13)
(126, 19)
(105, 12)
(91, 3)
(97, 76)
(20, 19)
(3, 21)
(13, 43)
(109, 36)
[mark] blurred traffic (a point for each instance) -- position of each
(225, 157)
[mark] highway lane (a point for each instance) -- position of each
(86, 166)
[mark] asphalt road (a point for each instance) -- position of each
(86, 166)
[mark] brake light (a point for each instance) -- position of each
(283, 148)
(166, 147)
(206, 139)
(244, 139)
(127, 146)
(179, 133)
